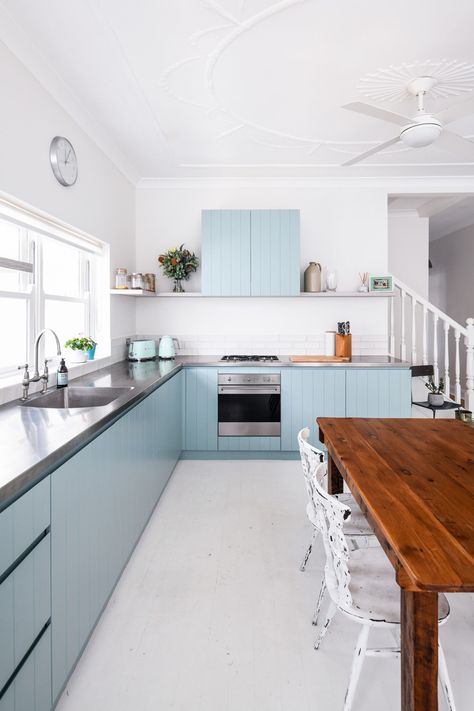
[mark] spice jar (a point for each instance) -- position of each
(121, 278)
(137, 280)
(150, 282)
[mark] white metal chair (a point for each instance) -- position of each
(361, 585)
(357, 529)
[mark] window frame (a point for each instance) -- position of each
(93, 268)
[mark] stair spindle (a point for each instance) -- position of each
(457, 369)
(469, 340)
(413, 330)
(392, 329)
(425, 339)
(435, 348)
(447, 384)
(403, 345)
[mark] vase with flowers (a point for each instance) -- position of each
(178, 264)
(436, 392)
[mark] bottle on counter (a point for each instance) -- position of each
(62, 375)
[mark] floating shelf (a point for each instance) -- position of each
(319, 294)
(133, 292)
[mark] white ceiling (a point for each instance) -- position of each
(446, 213)
(248, 87)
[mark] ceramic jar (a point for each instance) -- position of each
(435, 399)
(312, 277)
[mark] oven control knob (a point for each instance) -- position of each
(229, 380)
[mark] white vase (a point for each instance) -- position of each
(435, 399)
(75, 356)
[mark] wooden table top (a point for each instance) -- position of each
(414, 480)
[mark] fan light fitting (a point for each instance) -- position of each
(418, 135)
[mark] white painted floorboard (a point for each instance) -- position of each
(213, 614)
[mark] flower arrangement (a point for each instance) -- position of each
(178, 263)
(81, 343)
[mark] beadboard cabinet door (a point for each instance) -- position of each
(250, 252)
(200, 409)
(101, 500)
(275, 253)
(308, 393)
(225, 252)
(378, 392)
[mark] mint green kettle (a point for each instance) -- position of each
(166, 349)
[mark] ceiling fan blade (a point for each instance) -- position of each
(376, 149)
(453, 113)
(375, 112)
(456, 144)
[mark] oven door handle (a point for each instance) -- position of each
(249, 390)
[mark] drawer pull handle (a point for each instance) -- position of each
(23, 555)
(22, 661)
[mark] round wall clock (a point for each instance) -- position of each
(63, 161)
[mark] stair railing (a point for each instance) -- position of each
(432, 332)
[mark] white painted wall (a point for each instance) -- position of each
(102, 202)
(343, 228)
(451, 277)
(408, 250)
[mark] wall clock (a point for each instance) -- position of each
(63, 161)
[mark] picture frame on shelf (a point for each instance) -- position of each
(380, 283)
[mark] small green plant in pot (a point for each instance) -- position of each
(436, 392)
(79, 348)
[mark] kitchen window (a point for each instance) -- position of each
(50, 277)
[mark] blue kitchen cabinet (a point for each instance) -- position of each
(101, 500)
(250, 252)
(200, 409)
(275, 252)
(378, 392)
(25, 602)
(308, 393)
(225, 252)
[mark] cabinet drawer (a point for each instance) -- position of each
(31, 688)
(23, 521)
(25, 607)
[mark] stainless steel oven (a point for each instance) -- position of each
(249, 404)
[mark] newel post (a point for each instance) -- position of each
(469, 341)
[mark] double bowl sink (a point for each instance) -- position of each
(73, 397)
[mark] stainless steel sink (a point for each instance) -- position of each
(70, 397)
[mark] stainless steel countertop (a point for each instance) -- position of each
(36, 441)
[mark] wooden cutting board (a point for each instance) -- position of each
(319, 359)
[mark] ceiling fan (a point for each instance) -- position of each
(424, 128)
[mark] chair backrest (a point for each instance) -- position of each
(312, 462)
(332, 515)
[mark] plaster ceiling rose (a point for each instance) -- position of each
(453, 78)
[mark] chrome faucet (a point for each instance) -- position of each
(36, 376)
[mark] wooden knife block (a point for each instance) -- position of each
(344, 345)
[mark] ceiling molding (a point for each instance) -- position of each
(402, 184)
(14, 37)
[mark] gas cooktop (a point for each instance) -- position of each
(253, 358)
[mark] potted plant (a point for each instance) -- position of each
(436, 394)
(178, 264)
(79, 348)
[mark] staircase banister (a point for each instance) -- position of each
(430, 307)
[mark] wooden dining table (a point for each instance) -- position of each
(414, 481)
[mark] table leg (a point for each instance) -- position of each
(419, 650)
(335, 480)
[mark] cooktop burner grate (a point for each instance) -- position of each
(253, 358)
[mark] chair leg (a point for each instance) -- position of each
(327, 621)
(322, 591)
(357, 662)
(444, 679)
(308, 552)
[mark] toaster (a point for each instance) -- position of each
(141, 350)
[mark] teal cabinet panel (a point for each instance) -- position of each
(379, 392)
(308, 393)
(25, 607)
(225, 252)
(275, 252)
(101, 500)
(200, 411)
(31, 688)
(249, 444)
(23, 521)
